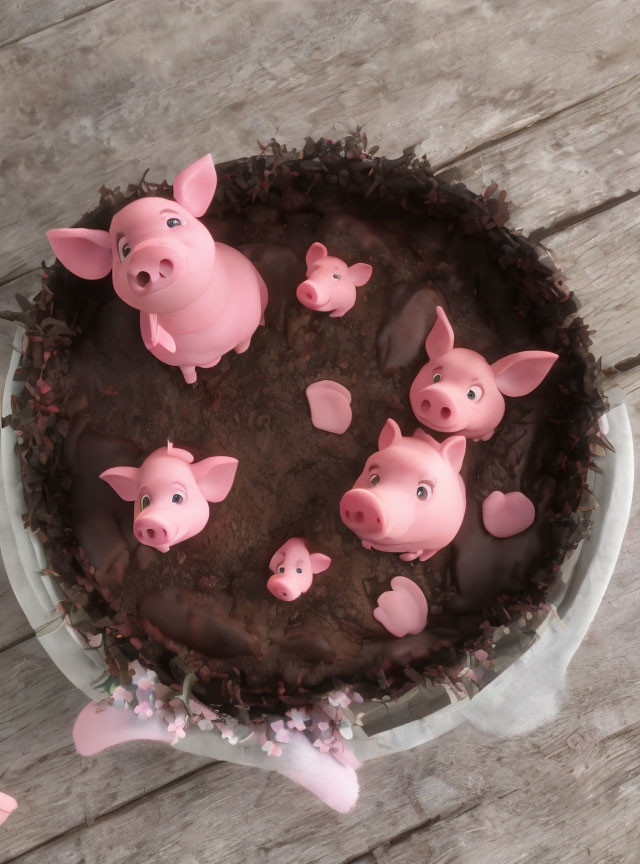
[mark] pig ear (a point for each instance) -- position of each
(319, 562)
(123, 480)
(316, 252)
(519, 374)
(440, 338)
(195, 186)
(215, 476)
(390, 434)
(276, 559)
(360, 273)
(83, 251)
(453, 449)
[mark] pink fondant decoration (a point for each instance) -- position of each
(198, 299)
(98, 727)
(458, 391)
(331, 284)
(7, 806)
(293, 569)
(330, 405)
(333, 780)
(507, 514)
(402, 610)
(171, 492)
(410, 497)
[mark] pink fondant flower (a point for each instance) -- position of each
(121, 697)
(227, 733)
(144, 679)
(323, 744)
(339, 699)
(323, 726)
(298, 717)
(271, 748)
(177, 727)
(282, 734)
(143, 710)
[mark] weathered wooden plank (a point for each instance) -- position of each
(566, 164)
(414, 72)
(56, 788)
(21, 18)
(14, 627)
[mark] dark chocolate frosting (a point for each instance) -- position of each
(203, 606)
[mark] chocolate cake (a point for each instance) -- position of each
(94, 397)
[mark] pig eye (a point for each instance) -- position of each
(177, 498)
(336, 275)
(125, 249)
(424, 492)
(145, 501)
(474, 393)
(173, 222)
(280, 569)
(437, 377)
(298, 569)
(374, 480)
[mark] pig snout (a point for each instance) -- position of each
(152, 530)
(312, 295)
(439, 406)
(363, 512)
(282, 588)
(153, 265)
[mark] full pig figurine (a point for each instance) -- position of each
(197, 298)
(458, 391)
(410, 497)
(293, 569)
(331, 284)
(171, 492)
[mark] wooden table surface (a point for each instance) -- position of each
(543, 98)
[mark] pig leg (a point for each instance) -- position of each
(242, 347)
(189, 373)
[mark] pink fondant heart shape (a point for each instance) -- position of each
(507, 514)
(402, 610)
(330, 405)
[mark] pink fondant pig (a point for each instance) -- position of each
(293, 569)
(171, 492)
(331, 284)
(197, 298)
(458, 391)
(410, 497)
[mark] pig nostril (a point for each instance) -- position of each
(166, 267)
(358, 516)
(143, 278)
(445, 413)
(151, 533)
(425, 406)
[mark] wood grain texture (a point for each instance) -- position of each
(56, 788)
(572, 162)
(23, 18)
(155, 83)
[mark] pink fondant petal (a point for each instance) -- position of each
(7, 806)
(330, 405)
(402, 610)
(506, 515)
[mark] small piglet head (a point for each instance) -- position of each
(458, 391)
(330, 283)
(171, 492)
(161, 255)
(293, 568)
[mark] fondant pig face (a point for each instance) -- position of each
(331, 284)
(458, 391)
(410, 497)
(293, 569)
(171, 492)
(161, 256)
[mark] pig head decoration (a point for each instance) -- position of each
(171, 493)
(410, 497)
(293, 569)
(197, 298)
(458, 391)
(331, 284)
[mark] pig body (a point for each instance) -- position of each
(410, 497)
(293, 569)
(171, 493)
(198, 299)
(331, 284)
(458, 391)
